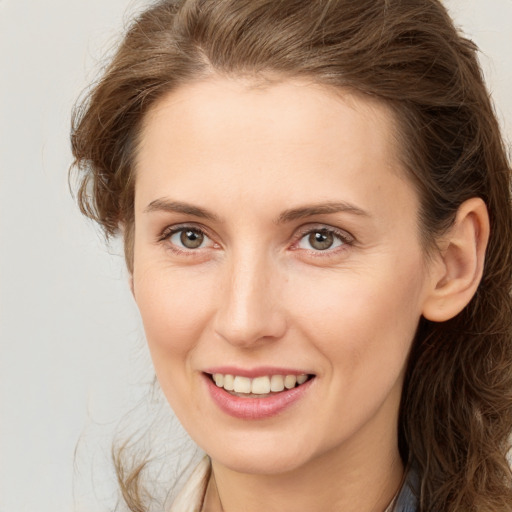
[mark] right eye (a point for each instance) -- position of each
(188, 238)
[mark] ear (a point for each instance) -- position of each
(457, 269)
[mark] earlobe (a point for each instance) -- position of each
(458, 269)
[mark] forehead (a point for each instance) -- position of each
(237, 137)
(293, 107)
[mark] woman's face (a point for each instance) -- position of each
(275, 236)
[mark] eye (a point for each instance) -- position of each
(322, 239)
(188, 238)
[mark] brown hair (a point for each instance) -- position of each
(456, 412)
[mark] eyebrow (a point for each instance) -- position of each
(165, 205)
(320, 209)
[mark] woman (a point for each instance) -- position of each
(314, 200)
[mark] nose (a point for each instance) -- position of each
(249, 311)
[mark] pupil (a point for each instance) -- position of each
(191, 239)
(321, 240)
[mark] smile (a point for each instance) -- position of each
(259, 386)
(257, 397)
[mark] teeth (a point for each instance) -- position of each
(242, 385)
(259, 385)
(229, 382)
(276, 383)
(301, 379)
(290, 381)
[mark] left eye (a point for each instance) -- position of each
(320, 240)
(189, 238)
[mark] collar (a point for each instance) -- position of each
(407, 500)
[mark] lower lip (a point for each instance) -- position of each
(256, 408)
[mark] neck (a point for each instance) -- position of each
(365, 480)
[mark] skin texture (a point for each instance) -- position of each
(257, 293)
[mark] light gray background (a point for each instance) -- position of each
(72, 358)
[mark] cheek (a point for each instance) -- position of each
(362, 319)
(174, 306)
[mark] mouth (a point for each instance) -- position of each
(263, 386)
(257, 394)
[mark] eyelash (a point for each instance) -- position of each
(342, 236)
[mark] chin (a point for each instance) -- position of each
(269, 458)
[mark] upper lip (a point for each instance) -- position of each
(258, 371)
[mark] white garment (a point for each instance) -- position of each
(191, 497)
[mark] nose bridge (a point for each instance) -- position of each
(248, 311)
